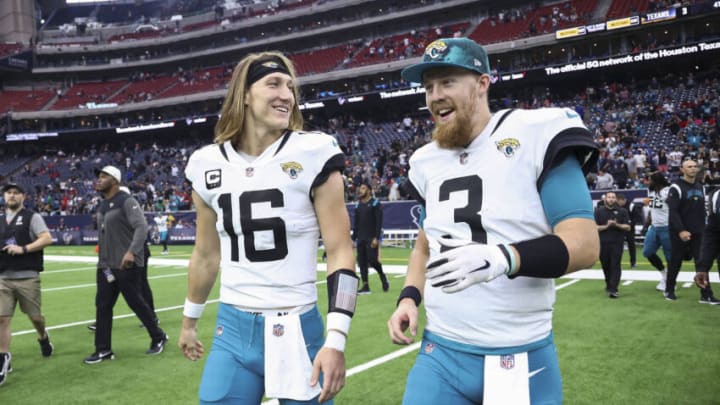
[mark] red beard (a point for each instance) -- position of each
(456, 133)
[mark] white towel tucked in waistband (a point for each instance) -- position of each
(287, 364)
(506, 380)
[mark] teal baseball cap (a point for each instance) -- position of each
(449, 52)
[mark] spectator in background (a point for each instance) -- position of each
(24, 236)
(613, 222)
(367, 234)
(604, 180)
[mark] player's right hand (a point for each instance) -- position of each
(190, 346)
(404, 317)
(331, 363)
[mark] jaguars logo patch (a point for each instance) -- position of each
(508, 146)
(436, 49)
(292, 169)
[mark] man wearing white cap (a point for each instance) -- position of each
(122, 231)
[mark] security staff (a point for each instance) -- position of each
(613, 223)
(122, 229)
(367, 232)
(24, 236)
(635, 211)
(686, 202)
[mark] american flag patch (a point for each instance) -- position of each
(507, 361)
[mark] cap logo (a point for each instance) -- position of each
(436, 49)
(477, 63)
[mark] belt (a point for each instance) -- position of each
(277, 311)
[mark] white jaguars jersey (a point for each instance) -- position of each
(265, 216)
(488, 192)
(659, 210)
(162, 223)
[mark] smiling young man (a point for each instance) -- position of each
(507, 210)
(263, 193)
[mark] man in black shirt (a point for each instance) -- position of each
(613, 223)
(686, 202)
(710, 250)
(636, 217)
(367, 232)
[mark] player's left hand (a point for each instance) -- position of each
(331, 363)
(463, 264)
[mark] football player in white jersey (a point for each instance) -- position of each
(263, 193)
(507, 210)
(162, 221)
(657, 226)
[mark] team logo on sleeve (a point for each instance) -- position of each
(278, 330)
(213, 179)
(508, 146)
(292, 169)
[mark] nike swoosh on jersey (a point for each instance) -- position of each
(483, 267)
(534, 372)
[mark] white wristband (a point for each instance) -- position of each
(335, 340)
(193, 310)
(339, 322)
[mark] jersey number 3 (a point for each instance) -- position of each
(250, 225)
(470, 213)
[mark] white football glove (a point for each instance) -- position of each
(463, 264)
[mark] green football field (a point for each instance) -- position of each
(639, 349)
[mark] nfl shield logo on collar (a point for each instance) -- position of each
(507, 361)
(278, 330)
(249, 172)
(463, 158)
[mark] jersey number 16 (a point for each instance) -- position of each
(250, 225)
